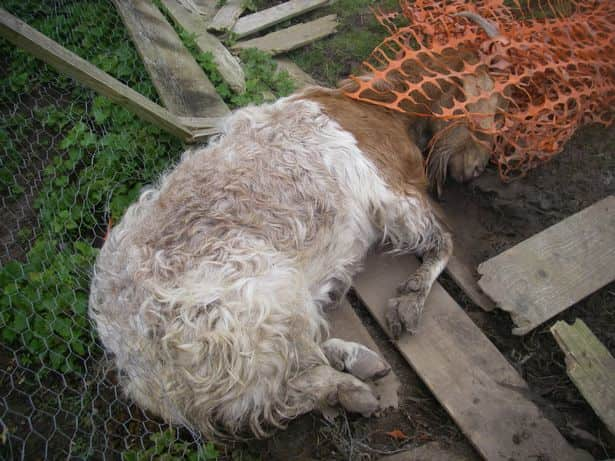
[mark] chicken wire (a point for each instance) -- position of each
(70, 163)
(551, 65)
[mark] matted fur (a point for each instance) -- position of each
(209, 292)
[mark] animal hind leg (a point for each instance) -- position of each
(355, 358)
(404, 311)
(323, 386)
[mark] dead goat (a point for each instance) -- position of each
(210, 292)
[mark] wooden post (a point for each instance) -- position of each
(67, 62)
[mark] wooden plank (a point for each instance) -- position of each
(252, 23)
(590, 366)
(226, 16)
(345, 324)
(293, 37)
(549, 272)
(206, 9)
(467, 374)
(227, 64)
(462, 274)
(179, 80)
(301, 78)
(68, 63)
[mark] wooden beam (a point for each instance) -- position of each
(590, 366)
(549, 272)
(68, 63)
(346, 325)
(226, 16)
(181, 83)
(227, 64)
(263, 19)
(481, 391)
(293, 37)
(301, 78)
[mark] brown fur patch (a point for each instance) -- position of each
(383, 135)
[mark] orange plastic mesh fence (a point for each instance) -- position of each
(551, 69)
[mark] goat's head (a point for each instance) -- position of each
(456, 147)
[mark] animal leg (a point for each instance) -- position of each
(404, 311)
(322, 386)
(355, 358)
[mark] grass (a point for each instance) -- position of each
(335, 57)
(95, 157)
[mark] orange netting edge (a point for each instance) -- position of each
(550, 69)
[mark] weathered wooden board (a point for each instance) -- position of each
(549, 272)
(590, 366)
(68, 63)
(345, 324)
(293, 37)
(467, 374)
(179, 80)
(252, 23)
(206, 9)
(227, 64)
(226, 16)
(297, 74)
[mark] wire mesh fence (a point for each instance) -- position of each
(70, 163)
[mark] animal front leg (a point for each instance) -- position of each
(404, 311)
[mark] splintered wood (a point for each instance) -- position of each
(590, 366)
(261, 20)
(226, 16)
(551, 271)
(67, 62)
(179, 80)
(227, 64)
(293, 37)
(481, 391)
(301, 78)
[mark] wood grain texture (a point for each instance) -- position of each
(255, 22)
(301, 78)
(481, 391)
(227, 64)
(179, 80)
(227, 15)
(549, 272)
(345, 324)
(463, 274)
(206, 9)
(293, 37)
(590, 366)
(68, 63)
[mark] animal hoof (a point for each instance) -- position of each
(358, 399)
(404, 313)
(356, 359)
